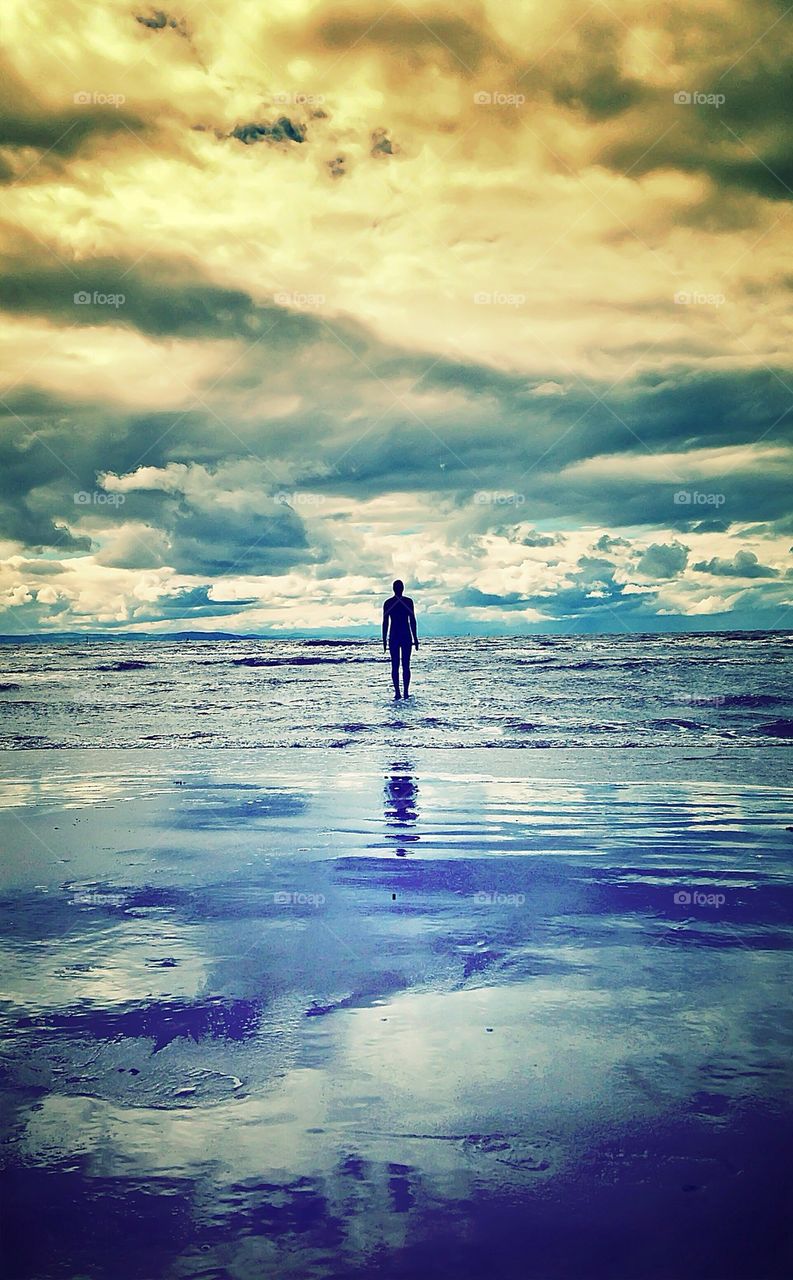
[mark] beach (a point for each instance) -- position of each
(396, 644)
(415, 1012)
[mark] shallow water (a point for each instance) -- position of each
(428, 1013)
(535, 691)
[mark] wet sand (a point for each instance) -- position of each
(292, 1013)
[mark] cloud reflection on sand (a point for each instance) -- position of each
(238, 1000)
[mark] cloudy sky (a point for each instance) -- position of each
(300, 296)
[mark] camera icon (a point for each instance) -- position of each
(682, 898)
(282, 899)
(682, 298)
(82, 499)
(483, 99)
(682, 498)
(82, 99)
(83, 298)
(482, 299)
(682, 97)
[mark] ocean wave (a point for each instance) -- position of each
(604, 664)
(335, 644)
(296, 662)
(125, 664)
(755, 700)
(782, 728)
(676, 721)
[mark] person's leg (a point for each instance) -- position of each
(395, 668)
(406, 667)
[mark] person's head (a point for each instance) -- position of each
(398, 586)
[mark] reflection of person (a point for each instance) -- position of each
(399, 614)
(401, 806)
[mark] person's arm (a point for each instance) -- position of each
(412, 618)
(385, 625)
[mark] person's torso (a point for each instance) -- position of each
(399, 609)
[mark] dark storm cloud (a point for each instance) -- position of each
(590, 590)
(712, 149)
(45, 462)
(160, 298)
(21, 522)
(535, 539)
(60, 133)
(41, 568)
(596, 569)
(187, 603)
(350, 436)
(591, 82)
(211, 529)
(744, 564)
(216, 543)
(677, 408)
(504, 435)
(196, 602)
(729, 121)
(744, 145)
(434, 39)
(25, 124)
(36, 486)
(716, 525)
(663, 560)
(506, 438)
(472, 597)
(607, 543)
(500, 440)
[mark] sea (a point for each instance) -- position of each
(615, 691)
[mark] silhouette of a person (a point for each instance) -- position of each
(399, 633)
